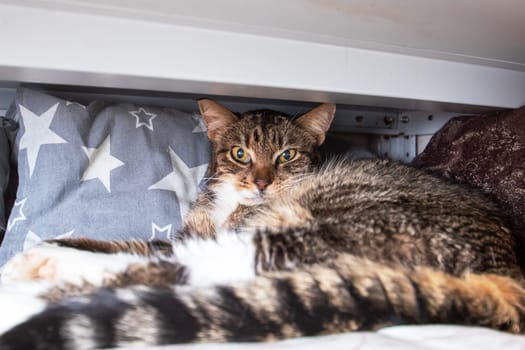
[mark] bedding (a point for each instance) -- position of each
(486, 152)
(101, 170)
(433, 337)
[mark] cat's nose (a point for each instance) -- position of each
(261, 184)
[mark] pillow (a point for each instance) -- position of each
(487, 152)
(104, 171)
(4, 177)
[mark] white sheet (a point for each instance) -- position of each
(432, 337)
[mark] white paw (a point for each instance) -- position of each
(30, 265)
(52, 263)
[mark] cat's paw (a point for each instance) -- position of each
(30, 265)
(52, 263)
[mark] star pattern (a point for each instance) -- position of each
(71, 103)
(201, 126)
(37, 133)
(184, 181)
(71, 158)
(101, 163)
(158, 232)
(143, 118)
(19, 205)
(32, 239)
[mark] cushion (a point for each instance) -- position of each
(4, 178)
(104, 171)
(487, 152)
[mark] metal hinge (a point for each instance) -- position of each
(8, 124)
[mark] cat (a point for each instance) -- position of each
(274, 248)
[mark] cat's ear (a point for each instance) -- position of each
(318, 120)
(216, 117)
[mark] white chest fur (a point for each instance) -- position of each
(227, 199)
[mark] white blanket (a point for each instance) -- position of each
(434, 337)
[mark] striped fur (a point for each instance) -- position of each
(146, 248)
(351, 246)
(349, 295)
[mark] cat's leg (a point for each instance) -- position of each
(54, 263)
(226, 258)
(54, 272)
(199, 223)
(69, 259)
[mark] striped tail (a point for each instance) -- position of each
(353, 294)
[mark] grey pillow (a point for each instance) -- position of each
(4, 177)
(105, 171)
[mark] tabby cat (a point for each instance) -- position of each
(275, 248)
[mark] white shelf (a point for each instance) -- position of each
(124, 45)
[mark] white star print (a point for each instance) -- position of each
(37, 133)
(70, 103)
(21, 216)
(32, 239)
(101, 163)
(182, 180)
(144, 118)
(166, 231)
(201, 127)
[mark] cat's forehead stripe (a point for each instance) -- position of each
(256, 136)
(264, 131)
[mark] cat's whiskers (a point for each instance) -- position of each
(291, 182)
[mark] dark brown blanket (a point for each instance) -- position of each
(487, 152)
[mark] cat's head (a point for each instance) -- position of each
(257, 151)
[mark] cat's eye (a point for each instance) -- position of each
(240, 155)
(287, 156)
